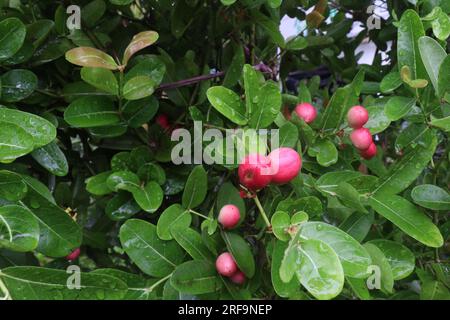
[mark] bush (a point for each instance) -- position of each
(107, 181)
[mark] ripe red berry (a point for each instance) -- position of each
(361, 138)
(254, 172)
(226, 265)
(238, 277)
(370, 152)
(306, 111)
(74, 255)
(229, 216)
(357, 117)
(163, 121)
(285, 165)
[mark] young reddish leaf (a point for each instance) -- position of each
(91, 57)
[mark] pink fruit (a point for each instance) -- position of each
(238, 277)
(74, 255)
(361, 138)
(226, 265)
(357, 116)
(285, 165)
(306, 111)
(229, 216)
(254, 172)
(163, 121)
(370, 152)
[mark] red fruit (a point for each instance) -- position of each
(163, 121)
(254, 171)
(226, 265)
(370, 152)
(357, 116)
(361, 138)
(285, 165)
(238, 277)
(75, 254)
(306, 112)
(229, 216)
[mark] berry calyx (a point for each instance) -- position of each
(285, 165)
(361, 138)
(254, 172)
(226, 265)
(306, 111)
(229, 216)
(238, 277)
(74, 255)
(357, 117)
(370, 152)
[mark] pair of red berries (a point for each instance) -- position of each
(281, 166)
(227, 267)
(361, 137)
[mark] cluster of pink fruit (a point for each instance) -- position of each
(361, 137)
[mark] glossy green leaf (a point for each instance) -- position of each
(97, 184)
(241, 252)
(173, 217)
(432, 55)
(266, 107)
(378, 120)
(100, 78)
(227, 103)
(123, 180)
(17, 85)
(326, 152)
(431, 197)
(380, 260)
(283, 289)
(391, 82)
(443, 123)
(19, 229)
(153, 256)
(196, 277)
(191, 241)
(121, 207)
(12, 36)
(12, 187)
(14, 142)
(91, 111)
(408, 218)
(195, 188)
(434, 290)
(441, 26)
(149, 197)
(397, 107)
(270, 27)
(355, 260)
(138, 88)
(288, 135)
(52, 158)
(358, 225)
(139, 112)
(444, 77)
(252, 82)
(280, 222)
(234, 71)
(319, 269)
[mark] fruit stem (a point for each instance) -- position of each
(199, 214)
(261, 210)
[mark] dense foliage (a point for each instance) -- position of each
(86, 119)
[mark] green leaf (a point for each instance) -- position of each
(150, 197)
(92, 12)
(91, 57)
(380, 260)
(399, 257)
(274, 3)
(123, 180)
(14, 142)
(270, 27)
(405, 171)
(100, 78)
(326, 152)
(153, 256)
(337, 107)
(290, 259)
(431, 197)
(91, 111)
(288, 135)
(121, 207)
(391, 82)
(267, 106)
(234, 71)
(12, 36)
(41, 130)
(52, 158)
(196, 277)
(17, 85)
(139, 112)
(138, 88)
(280, 222)
(398, 107)
(195, 188)
(97, 184)
(12, 188)
(297, 43)
(151, 66)
(358, 225)
(444, 77)
(173, 217)
(378, 120)
(59, 233)
(35, 283)
(408, 218)
(191, 241)
(19, 229)
(283, 289)
(355, 260)
(228, 104)
(252, 83)
(441, 26)
(319, 269)
(227, 2)
(432, 56)
(241, 252)
(434, 290)
(140, 41)
(443, 123)
(409, 31)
